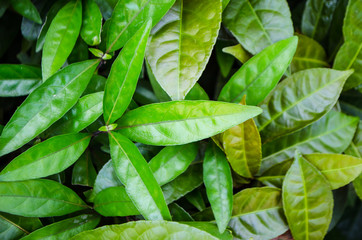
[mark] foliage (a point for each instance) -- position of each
(180, 119)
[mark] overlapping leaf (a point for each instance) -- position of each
(180, 44)
(292, 105)
(258, 24)
(14, 227)
(27, 9)
(83, 171)
(181, 122)
(46, 104)
(92, 23)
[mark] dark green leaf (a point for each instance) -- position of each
(92, 23)
(129, 15)
(18, 80)
(196, 199)
(46, 158)
(258, 76)
(83, 171)
(307, 200)
(331, 134)
(61, 37)
(178, 213)
(27, 9)
(14, 227)
(292, 105)
(317, 17)
(258, 24)
(65, 229)
(122, 80)
(181, 122)
(96, 84)
(133, 171)
(46, 104)
(40, 198)
(180, 44)
(219, 185)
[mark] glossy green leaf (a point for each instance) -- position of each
(129, 15)
(179, 214)
(338, 169)
(114, 201)
(317, 17)
(238, 52)
(309, 54)
(331, 134)
(133, 171)
(307, 200)
(219, 185)
(183, 184)
(242, 146)
(180, 45)
(48, 20)
(83, 171)
(92, 23)
(106, 178)
(258, 214)
(292, 105)
(46, 158)
(46, 104)
(212, 229)
(349, 55)
(171, 161)
(65, 229)
(197, 93)
(160, 230)
(122, 80)
(87, 110)
(257, 24)
(14, 227)
(258, 76)
(18, 80)
(61, 37)
(40, 198)
(27, 9)
(181, 122)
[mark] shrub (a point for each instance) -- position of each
(106, 128)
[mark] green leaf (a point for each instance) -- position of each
(65, 229)
(225, 61)
(14, 227)
(27, 9)
(309, 54)
(238, 52)
(212, 229)
(40, 198)
(349, 55)
(178, 213)
(197, 93)
(48, 20)
(331, 134)
(133, 171)
(258, 24)
(196, 199)
(18, 80)
(274, 176)
(114, 201)
(181, 122)
(122, 80)
(171, 161)
(242, 146)
(106, 178)
(180, 45)
(258, 76)
(307, 200)
(292, 104)
(49, 157)
(46, 104)
(129, 15)
(61, 37)
(219, 185)
(338, 169)
(87, 110)
(91, 24)
(258, 214)
(84, 172)
(96, 84)
(183, 184)
(160, 230)
(224, 4)
(317, 18)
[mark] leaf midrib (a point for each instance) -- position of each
(259, 22)
(14, 224)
